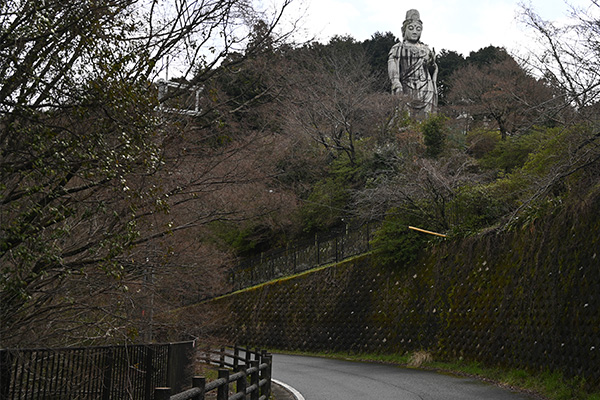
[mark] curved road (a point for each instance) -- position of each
(326, 379)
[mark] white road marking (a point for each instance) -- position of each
(296, 393)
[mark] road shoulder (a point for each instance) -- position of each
(279, 391)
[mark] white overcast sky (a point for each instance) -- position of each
(459, 25)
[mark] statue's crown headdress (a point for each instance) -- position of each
(413, 16)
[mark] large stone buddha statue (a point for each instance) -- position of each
(412, 68)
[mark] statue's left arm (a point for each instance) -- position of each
(435, 67)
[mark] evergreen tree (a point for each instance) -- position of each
(448, 62)
(377, 49)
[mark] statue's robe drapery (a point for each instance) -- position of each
(408, 68)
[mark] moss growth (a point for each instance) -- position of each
(525, 299)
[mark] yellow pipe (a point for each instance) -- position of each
(429, 232)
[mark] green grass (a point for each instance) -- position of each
(550, 385)
(546, 385)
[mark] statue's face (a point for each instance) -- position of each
(412, 31)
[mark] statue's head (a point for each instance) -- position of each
(412, 26)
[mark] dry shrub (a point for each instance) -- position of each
(418, 358)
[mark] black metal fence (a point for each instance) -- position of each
(324, 249)
(252, 372)
(105, 372)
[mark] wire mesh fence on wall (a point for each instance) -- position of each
(327, 248)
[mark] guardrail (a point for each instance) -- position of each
(251, 375)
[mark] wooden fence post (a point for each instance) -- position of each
(255, 379)
(241, 383)
(200, 383)
(236, 357)
(223, 390)
(266, 391)
(247, 357)
(222, 358)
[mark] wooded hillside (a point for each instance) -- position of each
(114, 209)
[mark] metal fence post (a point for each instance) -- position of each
(107, 378)
(272, 264)
(318, 250)
(149, 368)
(6, 364)
(170, 365)
(344, 242)
(295, 258)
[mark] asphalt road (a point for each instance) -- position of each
(318, 378)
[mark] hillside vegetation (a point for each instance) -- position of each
(505, 148)
(115, 210)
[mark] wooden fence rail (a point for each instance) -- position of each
(251, 375)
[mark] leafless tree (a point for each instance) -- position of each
(504, 94)
(84, 155)
(332, 99)
(422, 188)
(569, 55)
(569, 61)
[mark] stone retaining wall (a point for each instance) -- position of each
(529, 298)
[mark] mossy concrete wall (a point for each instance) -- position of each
(527, 298)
